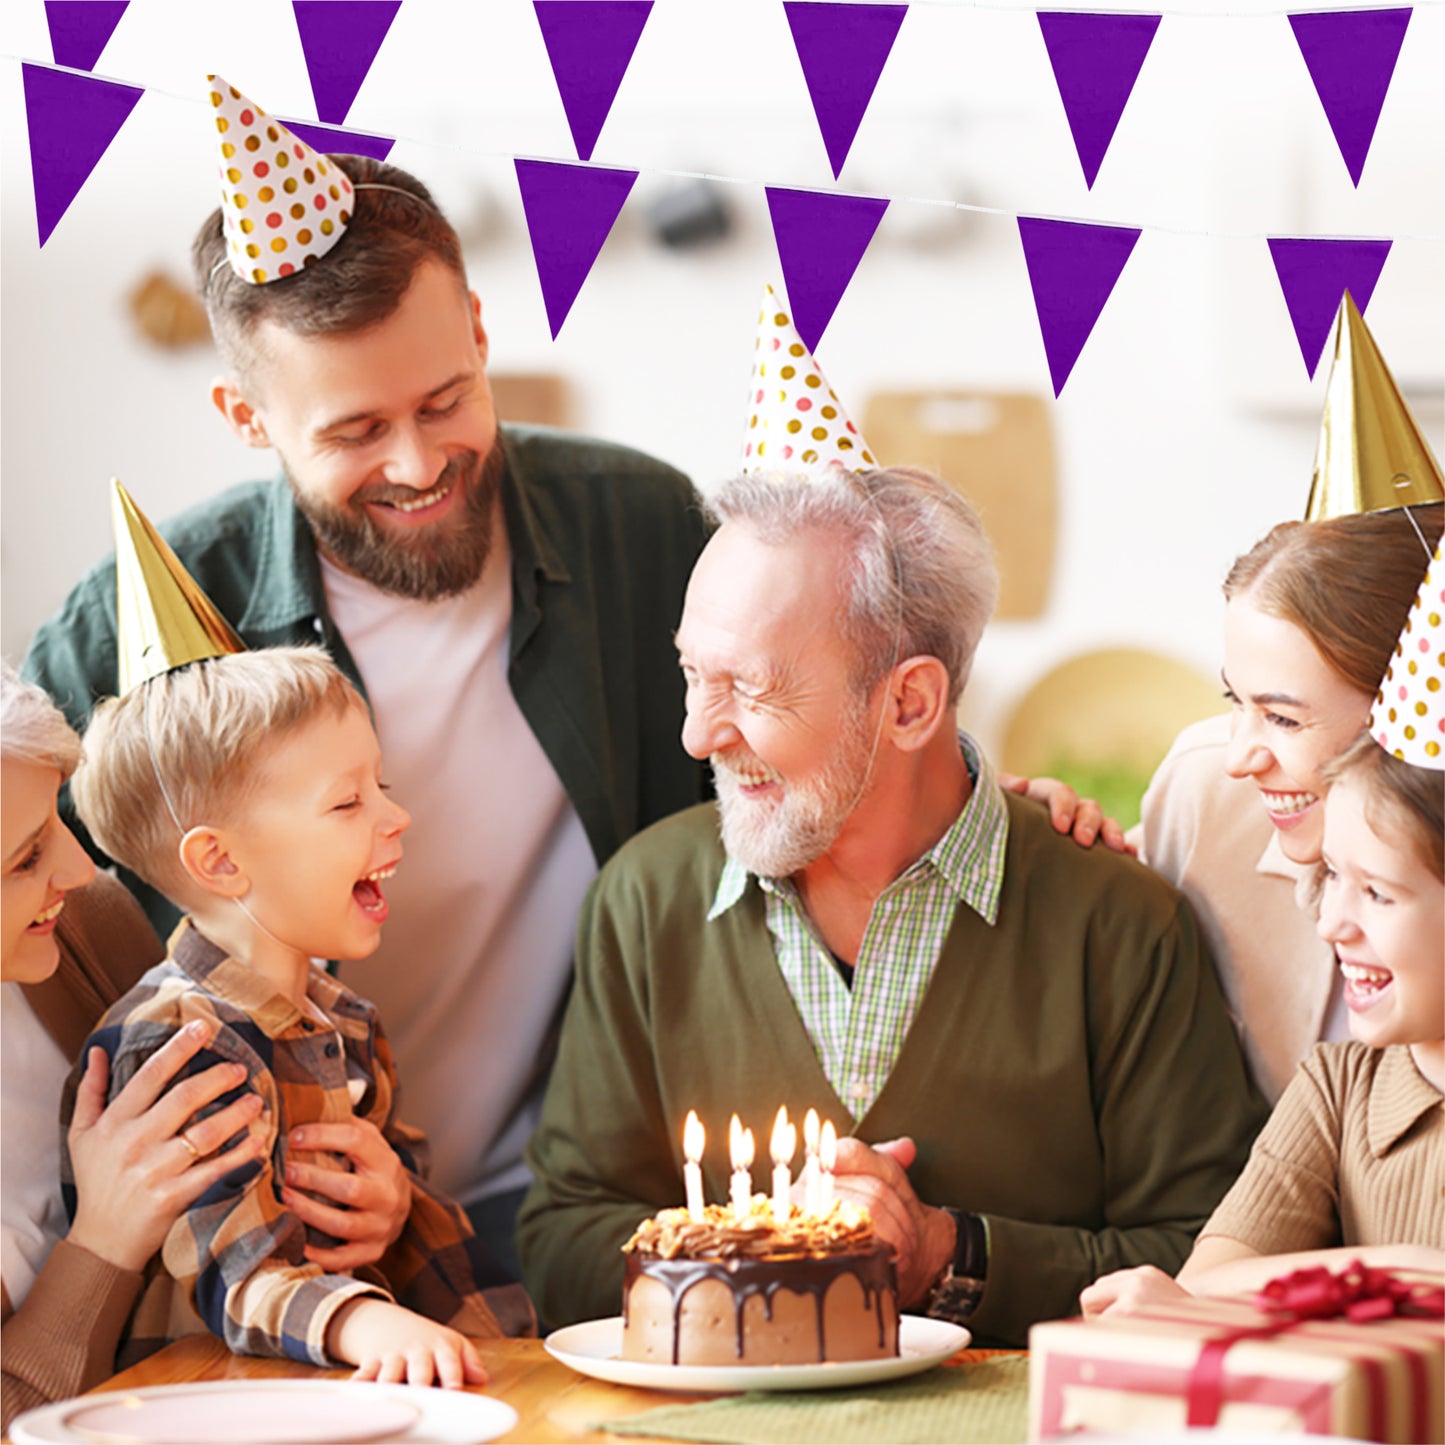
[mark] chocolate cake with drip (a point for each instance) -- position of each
(719, 1291)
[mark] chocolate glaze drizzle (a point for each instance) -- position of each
(812, 1274)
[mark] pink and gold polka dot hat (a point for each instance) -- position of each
(1408, 718)
(795, 421)
(282, 204)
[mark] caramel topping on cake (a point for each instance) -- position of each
(674, 1234)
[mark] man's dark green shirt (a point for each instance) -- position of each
(603, 540)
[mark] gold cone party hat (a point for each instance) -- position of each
(1408, 718)
(162, 619)
(282, 204)
(795, 421)
(1371, 454)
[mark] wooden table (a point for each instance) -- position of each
(552, 1402)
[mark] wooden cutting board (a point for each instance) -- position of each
(997, 449)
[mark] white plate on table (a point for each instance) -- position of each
(594, 1348)
(268, 1412)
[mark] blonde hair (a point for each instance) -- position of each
(1346, 583)
(32, 728)
(1400, 799)
(185, 749)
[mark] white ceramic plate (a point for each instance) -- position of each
(593, 1349)
(268, 1412)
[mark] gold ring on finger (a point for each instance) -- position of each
(186, 1140)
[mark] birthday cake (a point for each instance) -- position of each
(758, 1291)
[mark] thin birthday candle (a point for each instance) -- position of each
(827, 1160)
(740, 1148)
(694, 1141)
(810, 1164)
(783, 1146)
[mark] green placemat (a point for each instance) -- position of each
(979, 1403)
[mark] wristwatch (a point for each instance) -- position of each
(959, 1288)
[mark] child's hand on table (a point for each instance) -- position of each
(394, 1346)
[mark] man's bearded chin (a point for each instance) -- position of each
(779, 838)
(427, 563)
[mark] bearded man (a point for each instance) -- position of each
(1023, 1040)
(504, 596)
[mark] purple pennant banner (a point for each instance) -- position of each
(79, 29)
(1096, 60)
(340, 39)
(1072, 270)
(332, 139)
(71, 120)
(843, 49)
(590, 44)
(821, 239)
(1351, 56)
(570, 211)
(1314, 274)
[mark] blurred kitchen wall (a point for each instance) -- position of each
(1185, 431)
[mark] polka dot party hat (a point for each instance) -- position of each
(795, 421)
(1408, 718)
(282, 204)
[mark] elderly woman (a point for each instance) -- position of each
(69, 947)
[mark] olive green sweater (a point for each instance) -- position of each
(1071, 1075)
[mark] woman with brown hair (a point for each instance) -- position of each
(1233, 816)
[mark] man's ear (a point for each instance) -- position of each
(240, 415)
(206, 857)
(918, 701)
(478, 330)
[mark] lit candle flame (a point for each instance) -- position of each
(810, 1131)
(783, 1146)
(784, 1143)
(740, 1148)
(694, 1140)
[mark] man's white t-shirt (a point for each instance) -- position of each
(477, 952)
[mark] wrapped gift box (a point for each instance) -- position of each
(1381, 1381)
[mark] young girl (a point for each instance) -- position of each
(1349, 1164)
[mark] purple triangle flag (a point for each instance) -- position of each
(843, 49)
(71, 120)
(821, 239)
(1096, 60)
(590, 44)
(1314, 274)
(570, 212)
(1072, 270)
(332, 139)
(1351, 56)
(340, 39)
(79, 29)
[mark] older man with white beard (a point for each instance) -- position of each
(1023, 1040)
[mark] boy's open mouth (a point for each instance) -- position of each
(367, 891)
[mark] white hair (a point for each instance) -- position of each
(920, 579)
(32, 728)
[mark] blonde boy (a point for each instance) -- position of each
(248, 789)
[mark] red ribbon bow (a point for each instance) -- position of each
(1358, 1294)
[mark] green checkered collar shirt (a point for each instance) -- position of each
(859, 1032)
